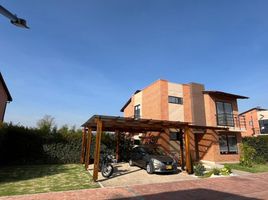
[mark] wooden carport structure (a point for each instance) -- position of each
(100, 123)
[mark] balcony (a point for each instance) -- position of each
(233, 121)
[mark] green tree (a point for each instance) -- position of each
(47, 124)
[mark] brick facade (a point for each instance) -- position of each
(197, 108)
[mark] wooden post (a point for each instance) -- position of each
(82, 158)
(196, 147)
(117, 144)
(97, 149)
(89, 136)
(189, 166)
(181, 150)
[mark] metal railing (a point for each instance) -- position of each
(231, 120)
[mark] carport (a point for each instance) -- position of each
(122, 125)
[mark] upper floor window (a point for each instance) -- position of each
(137, 111)
(224, 114)
(228, 144)
(176, 100)
(263, 126)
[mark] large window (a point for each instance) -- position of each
(228, 144)
(176, 100)
(224, 114)
(137, 111)
(263, 126)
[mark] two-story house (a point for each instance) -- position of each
(191, 103)
(256, 120)
(5, 97)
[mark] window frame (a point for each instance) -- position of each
(179, 102)
(139, 111)
(227, 144)
(224, 114)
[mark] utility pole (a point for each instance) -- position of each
(13, 18)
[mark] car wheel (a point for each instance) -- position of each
(130, 162)
(149, 168)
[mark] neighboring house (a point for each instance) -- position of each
(256, 120)
(192, 103)
(5, 97)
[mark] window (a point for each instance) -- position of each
(263, 126)
(228, 144)
(176, 100)
(173, 136)
(137, 111)
(224, 114)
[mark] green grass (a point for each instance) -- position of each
(255, 169)
(32, 179)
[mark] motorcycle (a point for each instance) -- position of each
(106, 166)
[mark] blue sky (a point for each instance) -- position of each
(87, 57)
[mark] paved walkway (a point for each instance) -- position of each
(126, 175)
(245, 187)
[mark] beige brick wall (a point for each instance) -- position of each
(175, 111)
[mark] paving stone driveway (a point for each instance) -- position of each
(126, 175)
(245, 187)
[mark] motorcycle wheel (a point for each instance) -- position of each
(107, 171)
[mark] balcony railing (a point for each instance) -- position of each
(231, 120)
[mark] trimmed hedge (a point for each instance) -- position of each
(22, 145)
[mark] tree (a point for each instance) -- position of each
(47, 124)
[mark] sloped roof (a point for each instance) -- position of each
(256, 108)
(224, 94)
(9, 98)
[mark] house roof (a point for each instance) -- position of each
(9, 98)
(256, 108)
(219, 93)
(128, 102)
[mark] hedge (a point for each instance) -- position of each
(259, 145)
(22, 145)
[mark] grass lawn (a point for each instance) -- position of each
(31, 179)
(255, 169)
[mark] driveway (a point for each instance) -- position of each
(126, 175)
(245, 187)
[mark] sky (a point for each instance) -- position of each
(81, 58)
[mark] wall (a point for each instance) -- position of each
(209, 148)
(3, 102)
(154, 100)
(129, 110)
(175, 111)
(210, 107)
(187, 103)
(251, 116)
(198, 104)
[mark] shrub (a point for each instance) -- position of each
(199, 169)
(216, 171)
(247, 156)
(260, 144)
(225, 171)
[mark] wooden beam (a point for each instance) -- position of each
(89, 137)
(82, 158)
(181, 150)
(117, 134)
(97, 149)
(189, 164)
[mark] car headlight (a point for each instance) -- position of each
(156, 162)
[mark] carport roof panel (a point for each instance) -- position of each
(112, 123)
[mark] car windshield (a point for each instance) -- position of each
(154, 151)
